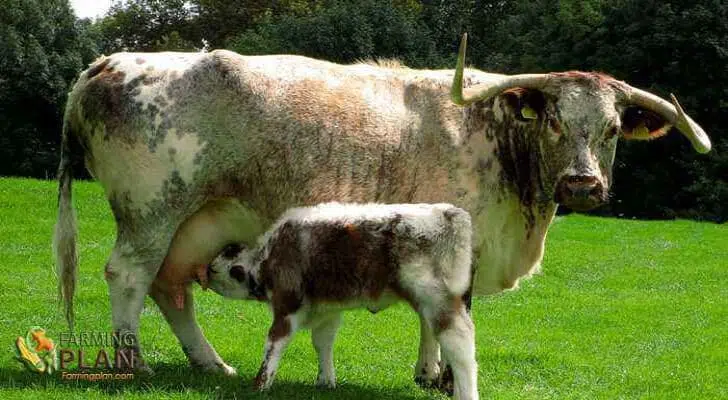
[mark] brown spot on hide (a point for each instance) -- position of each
(332, 106)
(444, 319)
(350, 262)
(108, 273)
(353, 232)
(281, 328)
(96, 68)
(475, 118)
(107, 99)
(341, 263)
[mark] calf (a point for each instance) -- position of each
(317, 261)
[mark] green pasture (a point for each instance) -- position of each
(623, 309)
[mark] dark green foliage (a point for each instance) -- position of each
(664, 46)
(43, 47)
(345, 31)
(147, 25)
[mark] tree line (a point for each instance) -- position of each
(667, 46)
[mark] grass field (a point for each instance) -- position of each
(624, 309)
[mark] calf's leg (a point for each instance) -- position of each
(279, 335)
(456, 334)
(323, 333)
(445, 383)
(427, 370)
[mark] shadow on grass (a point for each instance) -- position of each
(180, 378)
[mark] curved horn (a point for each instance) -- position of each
(674, 114)
(484, 91)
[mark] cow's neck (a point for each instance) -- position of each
(513, 212)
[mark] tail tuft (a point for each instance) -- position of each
(64, 239)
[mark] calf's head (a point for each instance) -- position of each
(556, 134)
(231, 273)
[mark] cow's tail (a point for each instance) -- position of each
(64, 238)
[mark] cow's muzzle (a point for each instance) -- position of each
(580, 192)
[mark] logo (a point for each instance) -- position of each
(36, 351)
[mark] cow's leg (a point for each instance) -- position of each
(184, 325)
(129, 274)
(427, 370)
(279, 335)
(456, 334)
(322, 336)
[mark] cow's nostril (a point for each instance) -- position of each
(581, 182)
(238, 273)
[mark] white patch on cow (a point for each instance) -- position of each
(506, 256)
(131, 65)
(186, 148)
(113, 173)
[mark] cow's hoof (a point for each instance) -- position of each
(326, 382)
(446, 383)
(425, 382)
(226, 370)
(217, 368)
(428, 378)
(142, 370)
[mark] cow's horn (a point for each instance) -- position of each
(674, 114)
(487, 90)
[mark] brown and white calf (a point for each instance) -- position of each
(318, 261)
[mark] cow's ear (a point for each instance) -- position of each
(642, 124)
(527, 104)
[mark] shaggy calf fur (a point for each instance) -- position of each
(317, 261)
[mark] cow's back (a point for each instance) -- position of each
(275, 131)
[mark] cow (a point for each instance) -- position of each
(315, 262)
(170, 135)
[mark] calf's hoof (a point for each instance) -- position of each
(261, 383)
(446, 382)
